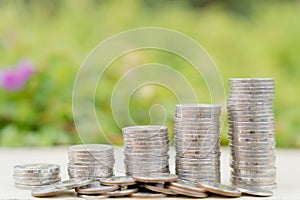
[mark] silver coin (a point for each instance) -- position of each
(156, 178)
(256, 191)
(90, 148)
(160, 188)
(147, 195)
(73, 183)
(36, 168)
(47, 191)
(121, 193)
(221, 189)
(118, 180)
(96, 188)
(186, 192)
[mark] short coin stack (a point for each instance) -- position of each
(251, 132)
(91, 161)
(197, 142)
(30, 176)
(146, 149)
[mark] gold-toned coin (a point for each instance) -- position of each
(187, 185)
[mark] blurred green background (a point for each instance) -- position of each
(244, 38)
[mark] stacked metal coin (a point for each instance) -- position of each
(251, 132)
(30, 176)
(91, 161)
(146, 149)
(197, 142)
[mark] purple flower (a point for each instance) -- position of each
(14, 79)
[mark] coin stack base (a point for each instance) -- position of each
(197, 142)
(251, 133)
(31, 176)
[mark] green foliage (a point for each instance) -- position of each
(259, 42)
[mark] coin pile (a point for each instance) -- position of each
(251, 132)
(30, 176)
(197, 142)
(146, 149)
(91, 161)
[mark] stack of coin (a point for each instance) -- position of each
(91, 161)
(30, 176)
(251, 132)
(146, 149)
(197, 142)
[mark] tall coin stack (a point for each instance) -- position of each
(197, 142)
(251, 132)
(30, 176)
(146, 150)
(91, 161)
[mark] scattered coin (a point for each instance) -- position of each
(221, 189)
(96, 188)
(188, 193)
(256, 191)
(73, 183)
(118, 180)
(147, 195)
(160, 188)
(47, 191)
(187, 185)
(94, 197)
(156, 178)
(121, 193)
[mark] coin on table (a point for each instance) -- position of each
(159, 187)
(73, 183)
(121, 193)
(85, 196)
(221, 189)
(118, 180)
(155, 178)
(188, 193)
(96, 188)
(147, 195)
(47, 191)
(187, 185)
(255, 191)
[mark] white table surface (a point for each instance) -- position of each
(288, 170)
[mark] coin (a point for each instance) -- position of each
(118, 180)
(36, 168)
(96, 188)
(73, 183)
(89, 196)
(251, 131)
(47, 191)
(187, 185)
(221, 189)
(121, 193)
(155, 178)
(147, 195)
(159, 187)
(189, 193)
